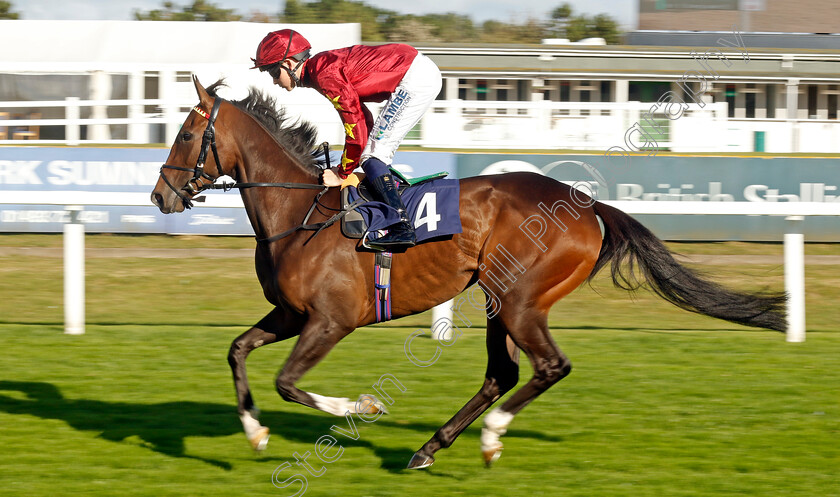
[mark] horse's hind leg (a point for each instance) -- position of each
(502, 375)
(272, 328)
(550, 366)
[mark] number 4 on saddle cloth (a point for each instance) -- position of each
(432, 204)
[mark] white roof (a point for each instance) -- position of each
(124, 45)
(210, 50)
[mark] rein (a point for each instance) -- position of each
(197, 185)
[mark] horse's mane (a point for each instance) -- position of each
(297, 138)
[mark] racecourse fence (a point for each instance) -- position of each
(448, 124)
(795, 213)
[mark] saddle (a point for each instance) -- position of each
(355, 192)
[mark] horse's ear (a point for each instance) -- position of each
(203, 96)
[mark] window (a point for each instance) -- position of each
(503, 89)
(771, 101)
(462, 89)
(523, 93)
(565, 91)
(812, 101)
(481, 89)
(730, 99)
(647, 91)
(750, 105)
(606, 91)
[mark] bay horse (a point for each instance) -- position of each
(322, 286)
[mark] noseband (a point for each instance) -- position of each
(208, 141)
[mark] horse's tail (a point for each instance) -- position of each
(629, 245)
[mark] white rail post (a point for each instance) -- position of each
(440, 311)
(74, 272)
(72, 129)
(166, 92)
(795, 278)
(137, 132)
(100, 89)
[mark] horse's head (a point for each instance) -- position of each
(195, 160)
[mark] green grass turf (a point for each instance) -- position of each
(660, 402)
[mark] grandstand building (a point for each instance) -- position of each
(768, 99)
(130, 82)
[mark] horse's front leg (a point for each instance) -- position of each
(317, 338)
(272, 328)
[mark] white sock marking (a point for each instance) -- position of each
(250, 423)
(495, 425)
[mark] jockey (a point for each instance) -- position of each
(398, 73)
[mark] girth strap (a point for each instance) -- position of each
(382, 285)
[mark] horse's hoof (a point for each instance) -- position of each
(491, 455)
(260, 439)
(374, 407)
(377, 408)
(419, 461)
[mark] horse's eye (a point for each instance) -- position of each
(187, 136)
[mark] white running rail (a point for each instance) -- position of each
(794, 240)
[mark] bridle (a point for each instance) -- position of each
(208, 141)
(197, 184)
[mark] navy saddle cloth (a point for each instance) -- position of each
(432, 206)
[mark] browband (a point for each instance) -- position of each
(201, 112)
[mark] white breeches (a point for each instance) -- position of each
(412, 97)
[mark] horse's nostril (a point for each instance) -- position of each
(157, 199)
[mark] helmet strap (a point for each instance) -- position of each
(293, 71)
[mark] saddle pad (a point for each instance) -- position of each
(433, 207)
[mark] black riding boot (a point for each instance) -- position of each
(400, 234)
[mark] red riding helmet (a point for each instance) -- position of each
(278, 46)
